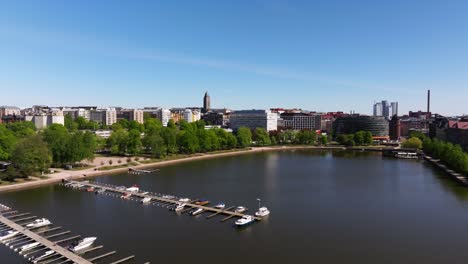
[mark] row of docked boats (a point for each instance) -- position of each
(10, 237)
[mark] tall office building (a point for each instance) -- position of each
(394, 108)
(385, 109)
(253, 119)
(206, 103)
(378, 109)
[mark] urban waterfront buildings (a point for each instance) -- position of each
(106, 116)
(377, 125)
(254, 119)
(131, 115)
(454, 130)
(300, 121)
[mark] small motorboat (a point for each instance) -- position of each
(8, 234)
(28, 247)
(220, 206)
(41, 257)
(180, 207)
(184, 200)
(82, 244)
(245, 220)
(39, 223)
(126, 195)
(121, 188)
(146, 200)
(262, 211)
(100, 191)
(197, 211)
(90, 189)
(170, 197)
(202, 202)
(134, 188)
(240, 209)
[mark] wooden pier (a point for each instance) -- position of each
(160, 199)
(9, 222)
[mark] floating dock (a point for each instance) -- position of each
(157, 198)
(41, 243)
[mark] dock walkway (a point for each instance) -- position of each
(43, 241)
(156, 198)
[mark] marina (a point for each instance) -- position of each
(28, 240)
(182, 205)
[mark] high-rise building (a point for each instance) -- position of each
(253, 119)
(385, 109)
(206, 103)
(378, 109)
(107, 116)
(164, 115)
(377, 125)
(394, 106)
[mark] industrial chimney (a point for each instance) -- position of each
(428, 101)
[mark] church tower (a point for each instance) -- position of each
(206, 103)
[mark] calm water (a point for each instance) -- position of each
(327, 207)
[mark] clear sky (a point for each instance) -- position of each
(317, 55)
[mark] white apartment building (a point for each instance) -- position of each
(253, 119)
(107, 116)
(9, 110)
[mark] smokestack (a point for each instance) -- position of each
(428, 101)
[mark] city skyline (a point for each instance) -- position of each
(281, 54)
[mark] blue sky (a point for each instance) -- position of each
(317, 55)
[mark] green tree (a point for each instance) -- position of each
(231, 141)
(154, 142)
(118, 142)
(359, 137)
(323, 140)
(244, 137)
(22, 129)
(306, 137)
(134, 142)
(368, 140)
(188, 141)
(7, 142)
(30, 155)
(413, 142)
(57, 137)
(70, 124)
(261, 136)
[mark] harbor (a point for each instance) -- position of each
(168, 201)
(39, 242)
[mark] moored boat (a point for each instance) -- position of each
(90, 189)
(245, 220)
(39, 223)
(126, 195)
(240, 209)
(8, 234)
(146, 200)
(184, 200)
(82, 244)
(134, 188)
(262, 212)
(180, 207)
(220, 206)
(202, 202)
(28, 246)
(197, 211)
(41, 257)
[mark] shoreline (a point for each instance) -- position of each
(89, 173)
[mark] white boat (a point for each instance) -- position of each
(220, 206)
(184, 200)
(8, 234)
(28, 246)
(39, 223)
(41, 257)
(262, 211)
(134, 188)
(82, 244)
(198, 211)
(240, 209)
(180, 207)
(245, 220)
(146, 200)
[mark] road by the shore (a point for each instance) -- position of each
(91, 172)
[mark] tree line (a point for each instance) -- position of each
(359, 138)
(451, 155)
(32, 152)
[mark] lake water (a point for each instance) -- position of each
(326, 207)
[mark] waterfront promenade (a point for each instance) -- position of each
(91, 172)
